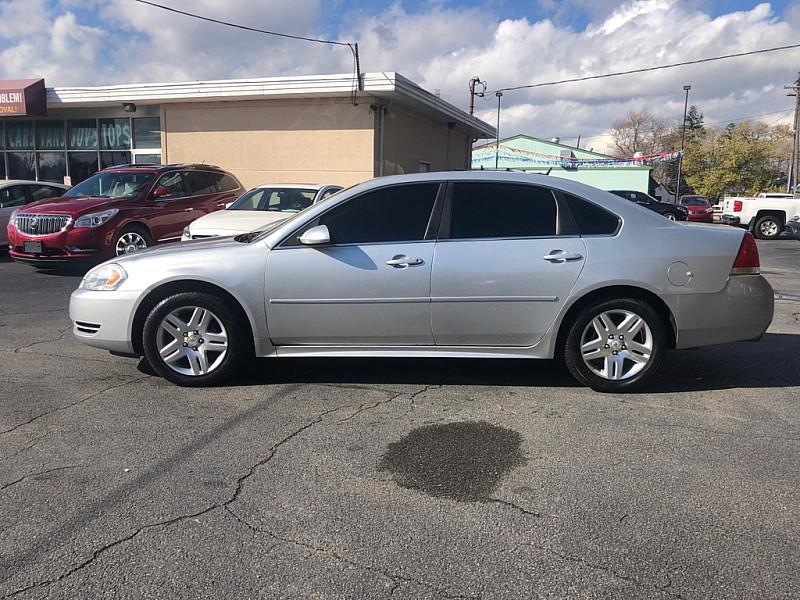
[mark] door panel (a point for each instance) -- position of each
(501, 292)
(348, 295)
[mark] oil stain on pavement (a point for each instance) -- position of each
(462, 461)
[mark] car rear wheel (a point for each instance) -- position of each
(194, 339)
(768, 228)
(671, 216)
(616, 345)
(132, 239)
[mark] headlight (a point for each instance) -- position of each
(104, 278)
(186, 234)
(96, 219)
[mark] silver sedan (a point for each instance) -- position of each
(462, 264)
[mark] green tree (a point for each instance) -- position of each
(741, 159)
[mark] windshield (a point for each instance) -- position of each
(111, 185)
(253, 235)
(695, 202)
(287, 200)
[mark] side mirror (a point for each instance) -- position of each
(161, 192)
(316, 236)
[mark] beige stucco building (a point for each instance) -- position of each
(308, 129)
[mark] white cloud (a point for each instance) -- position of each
(439, 47)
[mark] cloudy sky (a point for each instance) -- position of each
(439, 44)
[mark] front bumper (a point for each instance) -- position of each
(65, 247)
(104, 319)
(701, 217)
(742, 311)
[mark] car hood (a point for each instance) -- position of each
(230, 222)
(73, 205)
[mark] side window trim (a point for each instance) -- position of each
(290, 241)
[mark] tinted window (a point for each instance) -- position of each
(590, 218)
(198, 183)
(695, 202)
(13, 196)
(391, 214)
(499, 210)
(174, 183)
(329, 192)
(40, 192)
(224, 182)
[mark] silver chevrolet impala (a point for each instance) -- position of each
(460, 264)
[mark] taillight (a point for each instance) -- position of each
(747, 261)
(737, 206)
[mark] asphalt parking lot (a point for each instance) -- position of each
(411, 479)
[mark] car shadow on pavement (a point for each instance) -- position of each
(771, 362)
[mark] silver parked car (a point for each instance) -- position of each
(461, 264)
(17, 192)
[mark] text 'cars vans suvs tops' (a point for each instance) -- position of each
(456, 264)
(118, 211)
(258, 208)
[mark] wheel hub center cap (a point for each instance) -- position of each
(193, 339)
(616, 345)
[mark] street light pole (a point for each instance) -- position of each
(686, 89)
(499, 95)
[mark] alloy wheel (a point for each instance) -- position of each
(768, 228)
(130, 242)
(192, 341)
(616, 344)
(671, 217)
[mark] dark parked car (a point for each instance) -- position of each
(673, 212)
(118, 211)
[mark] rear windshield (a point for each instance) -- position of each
(287, 200)
(695, 202)
(111, 185)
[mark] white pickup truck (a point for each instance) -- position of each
(766, 215)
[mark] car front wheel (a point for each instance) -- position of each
(671, 216)
(130, 240)
(194, 339)
(616, 345)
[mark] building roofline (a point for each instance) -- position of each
(543, 140)
(389, 85)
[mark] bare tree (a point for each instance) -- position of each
(640, 131)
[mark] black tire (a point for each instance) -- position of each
(772, 224)
(239, 343)
(132, 231)
(575, 339)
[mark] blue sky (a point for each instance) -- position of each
(439, 44)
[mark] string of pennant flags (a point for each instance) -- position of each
(516, 157)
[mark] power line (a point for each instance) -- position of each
(641, 70)
(245, 27)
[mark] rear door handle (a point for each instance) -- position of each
(401, 260)
(188, 209)
(559, 256)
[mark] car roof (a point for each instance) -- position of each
(157, 168)
(7, 182)
(295, 186)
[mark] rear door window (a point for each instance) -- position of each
(590, 218)
(198, 183)
(501, 210)
(13, 195)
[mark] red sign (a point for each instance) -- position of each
(23, 97)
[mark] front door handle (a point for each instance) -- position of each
(559, 256)
(188, 209)
(401, 260)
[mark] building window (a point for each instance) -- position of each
(53, 149)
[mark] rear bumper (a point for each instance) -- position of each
(730, 220)
(742, 311)
(104, 319)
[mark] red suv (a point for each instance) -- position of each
(117, 211)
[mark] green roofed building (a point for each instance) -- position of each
(527, 153)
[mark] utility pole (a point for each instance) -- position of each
(475, 81)
(686, 89)
(499, 95)
(794, 168)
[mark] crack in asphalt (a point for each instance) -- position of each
(364, 407)
(609, 571)
(395, 578)
(32, 443)
(371, 388)
(517, 507)
(71, 404)
(21, 479)
(60, 337)
(177, 519)
(62, 356)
